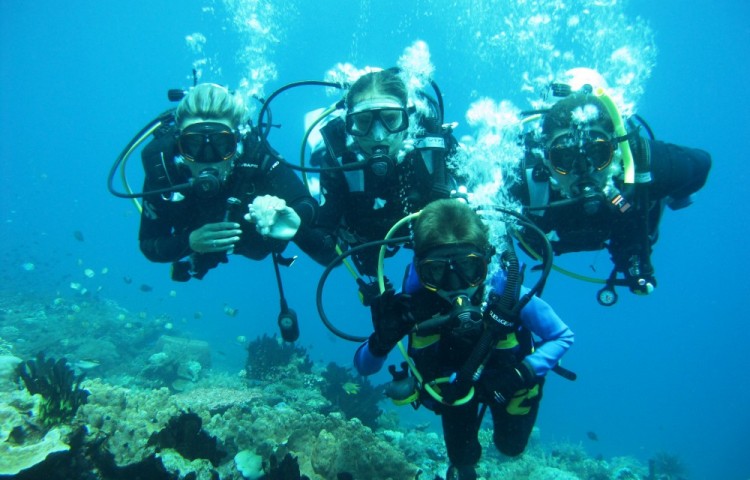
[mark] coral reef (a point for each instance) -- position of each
(269, 358)
(286, 469)
(351, 394)
(184, 434)
(82, 328)
(215, 400)
(285, 418)
(177, 363)
(23, 442)
(58, 385)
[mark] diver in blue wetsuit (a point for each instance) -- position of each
(471, 349)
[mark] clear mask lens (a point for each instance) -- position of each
(393, 120)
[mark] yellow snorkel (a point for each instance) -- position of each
(620, 132)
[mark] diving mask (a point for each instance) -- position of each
(452, 268)
(568, 154)
(390, 114)
(207, 142)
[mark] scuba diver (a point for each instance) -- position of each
(402, 151)
(590, 184)
(221, 172)
(212, 189)
(469, 349)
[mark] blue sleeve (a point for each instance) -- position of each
(365, 362)
(411, 284)
(556, 337)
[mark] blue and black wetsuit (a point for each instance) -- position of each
(440, 355)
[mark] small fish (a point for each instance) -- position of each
(86, 364)
(146, 288)
(351, 388)
(592, 436)
(198, 315)
(232, 312)
(89, 273)
(28, 266)
(78, 235)
(127, 280)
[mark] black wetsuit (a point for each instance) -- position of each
(167, 220)
(676, 173)
(359, 206)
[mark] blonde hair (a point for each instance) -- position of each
(211, 102)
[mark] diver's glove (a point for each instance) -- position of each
(391, 319)
(369, 290)
(640, 276)
(503, 383)
(643, 285)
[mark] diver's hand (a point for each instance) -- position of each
(273, 218)
(215, 237)
(502, 384)
(643, 285)
(369, 290)
(391, 320)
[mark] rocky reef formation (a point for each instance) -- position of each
(165, 413)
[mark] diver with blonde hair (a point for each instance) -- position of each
(212, 189)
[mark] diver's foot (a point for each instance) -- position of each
(466, 472)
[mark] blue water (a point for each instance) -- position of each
(663, 373)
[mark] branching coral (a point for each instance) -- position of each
(57, 383)
(286, 469)
(185, 435)
(268, 358)
(353, 395)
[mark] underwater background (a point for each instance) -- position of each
(664, 374)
